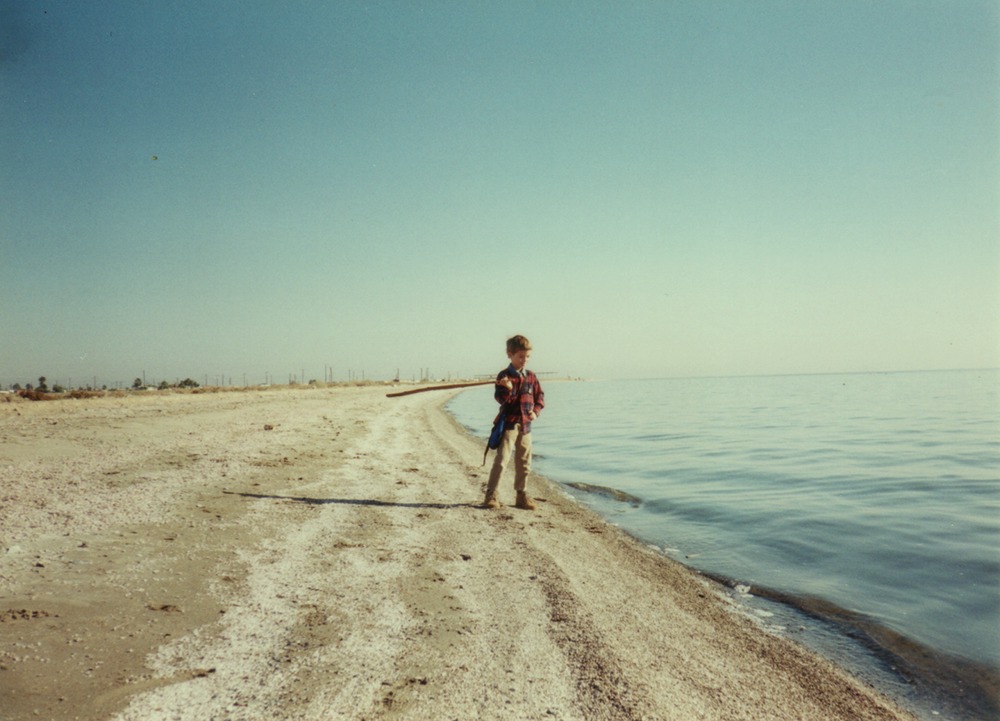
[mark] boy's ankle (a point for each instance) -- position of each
(524, 501)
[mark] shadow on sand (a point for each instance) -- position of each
(350, 501)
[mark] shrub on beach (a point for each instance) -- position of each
(80, 393)
(58, 393)
(32, 395)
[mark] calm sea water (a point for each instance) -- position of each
(859, 513)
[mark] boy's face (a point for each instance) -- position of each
(519, 358)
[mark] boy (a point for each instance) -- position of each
(521, 399)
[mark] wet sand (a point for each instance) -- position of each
(320, 554)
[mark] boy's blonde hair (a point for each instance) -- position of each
(518, 343)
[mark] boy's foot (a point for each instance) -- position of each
(492, 502)
(524, 502)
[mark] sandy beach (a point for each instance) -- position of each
(317, 554)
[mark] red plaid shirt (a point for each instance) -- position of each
(527, 390)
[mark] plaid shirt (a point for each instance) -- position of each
(527, 389)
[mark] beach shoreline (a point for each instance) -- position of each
(320, 553)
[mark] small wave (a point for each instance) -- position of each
(971, 689)
(612, 493)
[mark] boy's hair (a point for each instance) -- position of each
(518, 343)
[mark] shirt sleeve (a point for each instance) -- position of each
(501, 393)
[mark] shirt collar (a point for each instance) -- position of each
(523, 373)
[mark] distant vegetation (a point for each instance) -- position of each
(42, 391)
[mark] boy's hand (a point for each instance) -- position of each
(532, 416)
(506, 383)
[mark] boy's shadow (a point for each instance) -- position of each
(349, 501)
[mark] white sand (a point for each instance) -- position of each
(165, 557)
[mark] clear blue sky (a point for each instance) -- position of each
(660, 188)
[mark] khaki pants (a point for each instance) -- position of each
(516, 443)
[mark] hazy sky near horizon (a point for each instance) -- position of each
(660, 188)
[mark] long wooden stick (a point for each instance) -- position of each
(438, 388)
